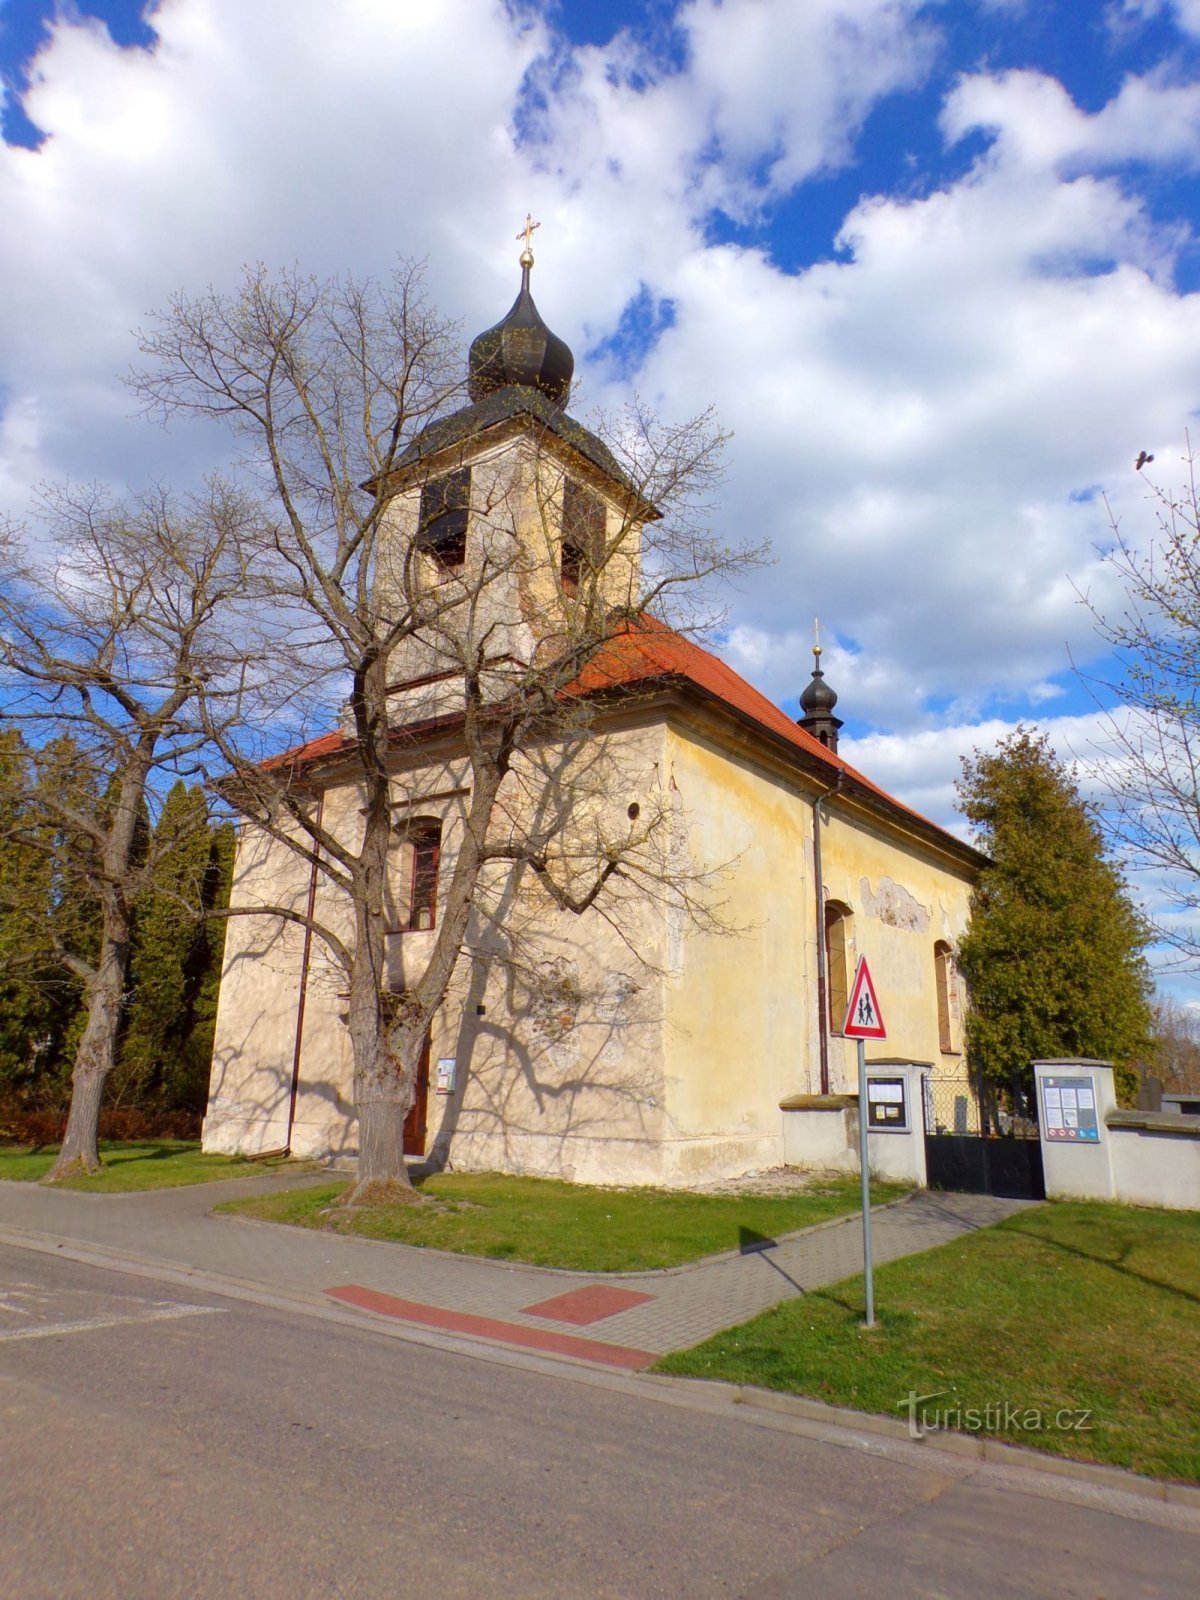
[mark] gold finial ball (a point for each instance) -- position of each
(526, 233)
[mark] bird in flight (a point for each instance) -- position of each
(1143, 460)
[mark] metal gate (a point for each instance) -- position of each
(982, 1143)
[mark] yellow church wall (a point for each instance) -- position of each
(738, 1005)
(903, 899)
(258, 1010)
(631, 1046)
(250, 1081)
(742, 1024)
(561, 1073)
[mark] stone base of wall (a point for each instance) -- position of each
(821, 1132)
(674, 1164)
(253, 1136)
(669, 1164)
(239, 1136)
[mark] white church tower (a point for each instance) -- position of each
(508, 522)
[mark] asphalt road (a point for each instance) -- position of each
(162, 1443)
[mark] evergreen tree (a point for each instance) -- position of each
(175, 965)
(40, 1002)
(1053, 954)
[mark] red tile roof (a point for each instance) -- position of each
(328, 744)
(651, 653)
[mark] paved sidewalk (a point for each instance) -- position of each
(618, 1319)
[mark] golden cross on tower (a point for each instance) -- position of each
(526, 233)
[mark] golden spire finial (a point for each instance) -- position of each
(817, 639)
(526, 233)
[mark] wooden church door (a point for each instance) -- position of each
(416, 1120)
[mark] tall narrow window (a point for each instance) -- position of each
(582, 533)
(425, 840)
(837, 942)
(944, 977)
(442, 523)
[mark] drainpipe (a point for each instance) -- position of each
(822, 973)
(305, 958)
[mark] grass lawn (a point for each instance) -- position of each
(143, 1164)
(1069, 1307)
(553, 1224)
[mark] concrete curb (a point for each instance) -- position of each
(977, 1447)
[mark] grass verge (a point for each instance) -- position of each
(552, 1224)
(1067, 1308)
(142, 1164)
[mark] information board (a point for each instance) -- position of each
(887, 1105)
(1069, 1109)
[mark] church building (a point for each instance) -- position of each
(637, 1042)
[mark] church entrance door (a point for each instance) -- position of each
(415, 1121)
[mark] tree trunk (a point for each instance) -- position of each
(383, 1093)
(80, 1153)
(383, 1081)
(381, 1146)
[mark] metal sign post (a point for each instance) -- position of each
(864, 1021)
(865, 1168)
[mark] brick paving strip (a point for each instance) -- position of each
(559, 1344)
(690, 1303)
(582, 1306)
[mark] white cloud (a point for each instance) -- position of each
(1037, 125)
(921, 423)
(923, 426)
(1126, 13)
(790, 86)
(251, 131)
(922, 768)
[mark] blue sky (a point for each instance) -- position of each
(935, 264)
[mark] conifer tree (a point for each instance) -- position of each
(176, 956)
(40, 1002)
(1053, 954)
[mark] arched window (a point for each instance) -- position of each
(943, 973)
(442, 522)
(413, 890)
(583, 523)
(837, 952)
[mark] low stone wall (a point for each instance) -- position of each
(1155, 1158)
(1092, 1150)
(820, 1131)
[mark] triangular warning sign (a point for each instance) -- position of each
(864, 1020)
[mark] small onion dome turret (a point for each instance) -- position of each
(817, 702)
(521, 350)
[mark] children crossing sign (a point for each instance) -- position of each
(864, 1020)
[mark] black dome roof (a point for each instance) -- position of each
(521, 350)
(817, 695)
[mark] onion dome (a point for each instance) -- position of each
(817, 702)
(520, 350)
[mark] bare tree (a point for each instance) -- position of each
(105, 647)
(1151, 753)
(333, 388)
(1176, 1054)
